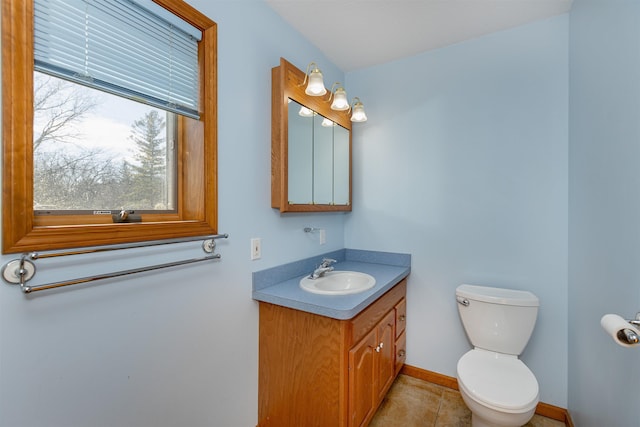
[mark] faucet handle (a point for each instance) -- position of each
(326, 262)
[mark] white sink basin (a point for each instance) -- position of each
(338, 283)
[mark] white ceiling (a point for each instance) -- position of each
(356, 34)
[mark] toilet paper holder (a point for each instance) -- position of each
(631, 335)
(636, 322)
(625, 332)
(628, 336)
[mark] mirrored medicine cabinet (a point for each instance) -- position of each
(310, 147)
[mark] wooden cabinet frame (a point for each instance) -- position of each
(197, 177)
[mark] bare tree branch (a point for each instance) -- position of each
(57, 105)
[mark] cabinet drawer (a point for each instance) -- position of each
(401, 317)
(401, 351)
(365, 321)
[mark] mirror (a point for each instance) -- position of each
(320, 146)
(310, 148)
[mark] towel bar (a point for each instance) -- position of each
(20, 271)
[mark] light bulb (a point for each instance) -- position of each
(315, 87)
(340, 102)
(327, 123)
(305, 112)
(358, 114)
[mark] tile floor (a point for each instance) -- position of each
(415, 403)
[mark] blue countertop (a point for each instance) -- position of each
(281, 285)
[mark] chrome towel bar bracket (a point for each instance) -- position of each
(20, 271)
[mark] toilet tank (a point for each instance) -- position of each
(497, 319)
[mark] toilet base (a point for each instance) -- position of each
(477, 421)
(482, 416)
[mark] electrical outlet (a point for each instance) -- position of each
(323, 236)
(256, 248)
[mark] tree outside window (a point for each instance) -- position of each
(72, 172)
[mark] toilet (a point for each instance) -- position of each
(495, 384)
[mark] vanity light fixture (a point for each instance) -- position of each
(315, 87)
(358, 114)
(340, 101)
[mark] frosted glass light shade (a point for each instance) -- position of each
(305, 112)
(327, 123)
(340, 101)
(315, 87)
(358, 114)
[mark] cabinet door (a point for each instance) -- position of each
(362, 369)
(385, 354)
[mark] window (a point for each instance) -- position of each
(97, 153)
(60, 187)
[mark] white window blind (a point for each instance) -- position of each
(132, 49)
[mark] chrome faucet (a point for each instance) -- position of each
(324, 267)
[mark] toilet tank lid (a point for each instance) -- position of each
(498, 295)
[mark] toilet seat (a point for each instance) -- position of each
(498, 381)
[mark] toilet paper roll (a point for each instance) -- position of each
(622, 332)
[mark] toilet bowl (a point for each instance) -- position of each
(499, 389)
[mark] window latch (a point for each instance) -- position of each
(126, 216)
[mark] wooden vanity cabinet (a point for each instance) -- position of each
(315, 371)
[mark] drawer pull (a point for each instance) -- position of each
(402, 318)
(402, 353)
(377, 349)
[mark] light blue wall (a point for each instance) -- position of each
(176, 347)
(466, 162)
(604, 209)
(463, 163)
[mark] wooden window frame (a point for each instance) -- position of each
(22, 231)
